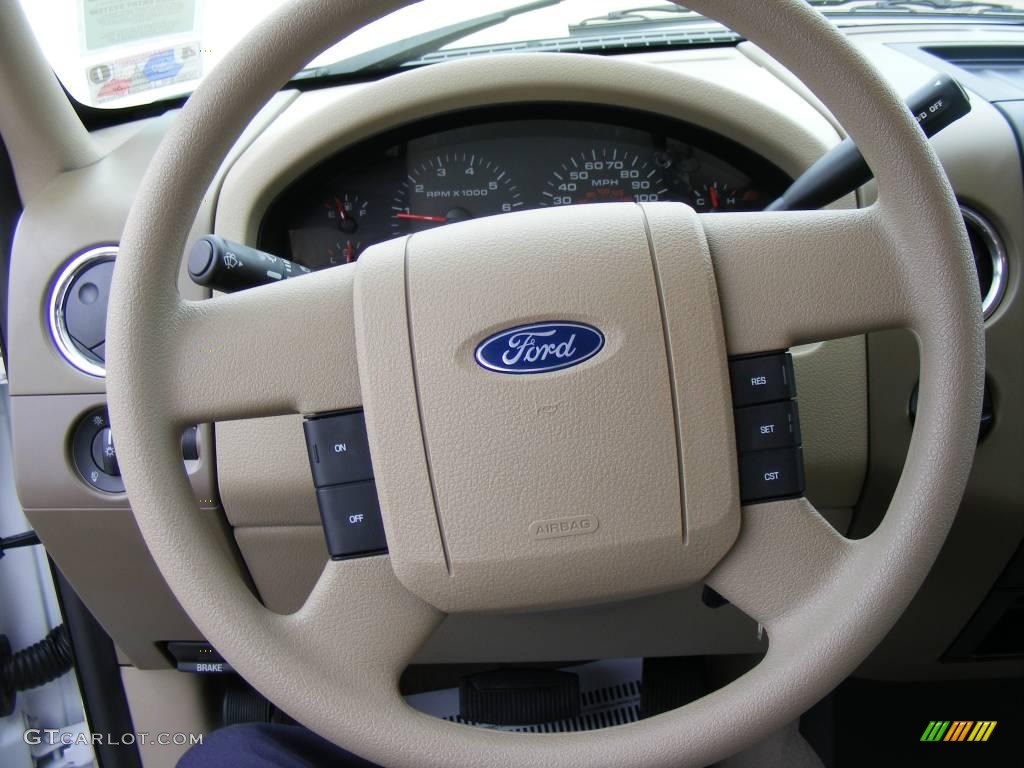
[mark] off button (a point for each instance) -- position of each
(352, 521)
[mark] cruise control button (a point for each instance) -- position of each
(771, 474)
(763, 427)
(351, 518)
(339, 451)
(763, 379)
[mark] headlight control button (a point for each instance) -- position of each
(104, 455)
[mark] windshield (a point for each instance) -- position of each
(123, 53)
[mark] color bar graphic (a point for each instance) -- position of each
(958, 730)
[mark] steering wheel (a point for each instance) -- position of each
(638, 439)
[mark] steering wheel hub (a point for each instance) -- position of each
(499, 476)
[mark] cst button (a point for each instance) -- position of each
(764, 379)
(771, 474)
(338, 449)
(351, 518)
(763, 427)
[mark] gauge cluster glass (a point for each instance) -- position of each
(489, 162)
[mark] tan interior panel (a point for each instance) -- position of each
(263, 472)
(128, 596)
(166, 702)
(284, 562)
(831, 382)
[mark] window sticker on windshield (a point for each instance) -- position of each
(107, 23)
(144, 72)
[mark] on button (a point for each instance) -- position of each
(339, 451)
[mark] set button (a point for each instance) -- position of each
(763, 427)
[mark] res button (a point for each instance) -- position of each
(764, 379)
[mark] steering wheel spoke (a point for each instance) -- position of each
(785, 556)
(804, 276)
(233, 362)
(376, 625)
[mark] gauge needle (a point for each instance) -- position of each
(418, 217)
(341, 209)
(714, 197)
(349, 253)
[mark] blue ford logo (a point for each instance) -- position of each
(539, 348)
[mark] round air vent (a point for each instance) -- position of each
(989, 258)
(78, 308)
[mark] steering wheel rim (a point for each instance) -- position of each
(825, 601)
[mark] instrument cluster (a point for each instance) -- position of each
(489, 162)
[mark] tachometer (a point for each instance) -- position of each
(449, 188)
(604, 175)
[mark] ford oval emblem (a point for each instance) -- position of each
(539, 348)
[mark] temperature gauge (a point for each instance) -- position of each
(716, 196)
(343, 251)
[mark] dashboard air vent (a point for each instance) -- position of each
(989, 258)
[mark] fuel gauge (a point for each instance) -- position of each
(345, 214)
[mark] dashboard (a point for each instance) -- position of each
(312, 148)
(499, 161)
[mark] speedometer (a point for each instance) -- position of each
(605, 175)
(449, 188)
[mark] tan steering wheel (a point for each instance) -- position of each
(639, 439)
